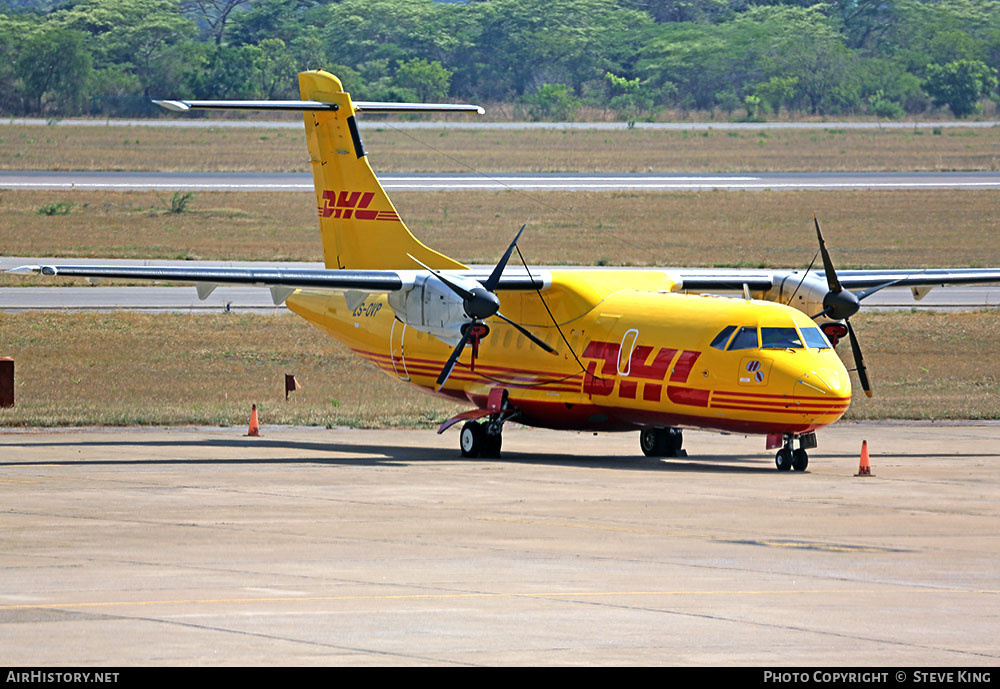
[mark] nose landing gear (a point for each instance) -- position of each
(789, 458)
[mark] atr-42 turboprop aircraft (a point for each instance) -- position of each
(585, 349)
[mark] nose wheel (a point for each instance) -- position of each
(788, 458)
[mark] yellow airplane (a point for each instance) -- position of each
(583, 349)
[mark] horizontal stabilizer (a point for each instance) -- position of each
(313, 105)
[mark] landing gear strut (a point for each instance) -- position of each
(789, 458)
(661, 442)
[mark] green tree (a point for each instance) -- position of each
(12, 33)
(273, 69)
(757, 45)
(143, 35)
(552, 102)
(777, 92)
(429, 80)
(629, 97)
(54, 67)
(213, 14)
(960, 85)
(296, 22)
(224, 72)
(880, 106)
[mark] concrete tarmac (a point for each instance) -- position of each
(349, 547)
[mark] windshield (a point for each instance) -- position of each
(746, 338)
(815, 338)
(723, 337)
(780, 338)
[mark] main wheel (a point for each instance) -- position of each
(661, 442)
(653, 442)
(783, 460)
(800, 460)
(472, 439)
(675, 440)
(491, 445)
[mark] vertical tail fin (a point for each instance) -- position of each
(359, 226)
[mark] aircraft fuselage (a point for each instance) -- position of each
(629, 355)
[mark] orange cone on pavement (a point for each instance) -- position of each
(864, 469)
(254, 425)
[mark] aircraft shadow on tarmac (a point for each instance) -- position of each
(387, 454)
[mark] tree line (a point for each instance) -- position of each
(548, 58)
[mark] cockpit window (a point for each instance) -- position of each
(746, 338)
(780, 338)
(815, 339)
(722, 338)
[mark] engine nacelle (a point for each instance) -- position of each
(808, 297)
(431, 307)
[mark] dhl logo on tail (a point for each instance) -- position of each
(348, 204)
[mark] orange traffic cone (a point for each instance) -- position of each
(864, 469)
(254, 425)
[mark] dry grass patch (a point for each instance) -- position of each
(207, 369)
(25, 147)
(929, 365)
(126, 224)
(141, 369)
(864, 228)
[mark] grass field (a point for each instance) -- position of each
(128, 368)
(864, 228)
(125, 368)
(68, 147)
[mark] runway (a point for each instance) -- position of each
(302, 182)
(345, 547)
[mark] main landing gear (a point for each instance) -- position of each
(480, 439)
(788, 458)
(484, 438)
(661, 442)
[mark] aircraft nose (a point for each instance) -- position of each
(826, 381)
(824, 391)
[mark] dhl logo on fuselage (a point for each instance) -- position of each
(352, 204)
(651, 373)
(653, 376)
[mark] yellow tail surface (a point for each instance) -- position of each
(359, 225)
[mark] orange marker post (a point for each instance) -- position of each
(864, 469)
(254, 425)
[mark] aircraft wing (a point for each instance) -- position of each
(930, 277)
(281, 281)
(699, 279)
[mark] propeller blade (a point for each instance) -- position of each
(453, 359)
(494, 279)
(524, 331)
(831, 274)
(859, 361)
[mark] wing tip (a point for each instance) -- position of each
(173, 105)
